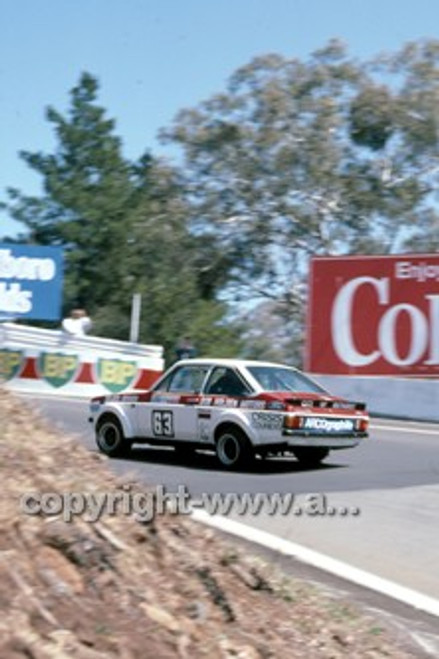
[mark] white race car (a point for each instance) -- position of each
(238, 408)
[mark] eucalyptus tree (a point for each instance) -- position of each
(325, 156)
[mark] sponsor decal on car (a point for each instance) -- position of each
(252, 404)
(123, 398)
(225, 402)
(165, 398)
(190, 400)
(267, 420)
(204, 430)
(323, 424)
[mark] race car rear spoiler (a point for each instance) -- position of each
(327, 404)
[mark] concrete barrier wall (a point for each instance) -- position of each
(394, 397)
(52, 362)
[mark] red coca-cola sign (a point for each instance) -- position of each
(376, 315)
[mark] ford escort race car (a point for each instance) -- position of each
(238, 408)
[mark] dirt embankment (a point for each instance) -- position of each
(164, 588)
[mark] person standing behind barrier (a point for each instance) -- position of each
(185, 349)
(77, 324)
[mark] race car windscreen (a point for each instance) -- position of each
(284, 379)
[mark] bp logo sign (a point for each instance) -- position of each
(10, 363)
(116, 374)
(57, 368)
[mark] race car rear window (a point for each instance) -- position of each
(273, 378)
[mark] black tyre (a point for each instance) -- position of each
(233, 448)
(110, 438)
(310, 457)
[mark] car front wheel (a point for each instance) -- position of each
(110, 438)
(233, 448)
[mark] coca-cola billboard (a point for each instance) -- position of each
(376, 315)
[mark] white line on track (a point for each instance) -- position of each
(421, 431)
(344, 570)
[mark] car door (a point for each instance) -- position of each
(171, 414)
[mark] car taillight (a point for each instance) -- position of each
(293, 422)
(362, 425)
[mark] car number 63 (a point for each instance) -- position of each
(162, 423)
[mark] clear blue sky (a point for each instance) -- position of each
(154, 57)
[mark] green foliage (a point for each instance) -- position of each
(124, 227)
(372, 117)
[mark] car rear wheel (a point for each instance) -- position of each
(233, 449)
(110, 438)
(310, 457)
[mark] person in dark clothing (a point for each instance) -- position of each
(185, 349)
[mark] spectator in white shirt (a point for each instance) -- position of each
(77, 324)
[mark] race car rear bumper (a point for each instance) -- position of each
(295, 438)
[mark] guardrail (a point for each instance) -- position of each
(409, 398)
(52, 362)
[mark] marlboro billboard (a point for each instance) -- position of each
(31, 278)
(376, 315)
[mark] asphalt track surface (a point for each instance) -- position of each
(391, 482)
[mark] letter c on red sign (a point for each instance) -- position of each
(341, 320)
